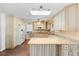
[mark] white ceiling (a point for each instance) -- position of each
(22, 10)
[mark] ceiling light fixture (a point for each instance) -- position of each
(43, 12)
(40, 11)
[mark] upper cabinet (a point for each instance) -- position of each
(49, 24)
(59, 21)
(63, 19)
(72, 17)
(67, 19)
(77, 17)
(39, 25)
(43, 25)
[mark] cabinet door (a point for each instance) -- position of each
(63, 20)
(65, 50)
(76, 50)
(59, 21)
(67, 19)
(77, 17)
(56, 23)
(70, 50)
(65, 53)
(72, 18)
(76, 53)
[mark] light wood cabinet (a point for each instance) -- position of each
(42, 50)
(70, 50)
(63, 19)
(67, 19)
(39, 24)
(77, 26)
(42, 24)
(49, 24)
(59, 21)
(72, 18)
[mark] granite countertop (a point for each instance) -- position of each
(70, 35)
(52, 40)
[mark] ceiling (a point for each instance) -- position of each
(22, 10)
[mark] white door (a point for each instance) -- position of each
(21, 34)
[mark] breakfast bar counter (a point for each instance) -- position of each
(52, 40)
(52, 46)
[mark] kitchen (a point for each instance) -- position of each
(62, 40)
(40, 29)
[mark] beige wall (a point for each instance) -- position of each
(12, 31)
(9, 31)
(67, 19)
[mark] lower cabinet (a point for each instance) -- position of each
(42, 50)
(54, 50)
(70, 50)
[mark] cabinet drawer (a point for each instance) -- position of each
(66, 47)
(75, 47)
(65, 53)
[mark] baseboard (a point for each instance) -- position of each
(2, 50)
(12, 48)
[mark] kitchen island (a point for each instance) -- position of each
(53, 46)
